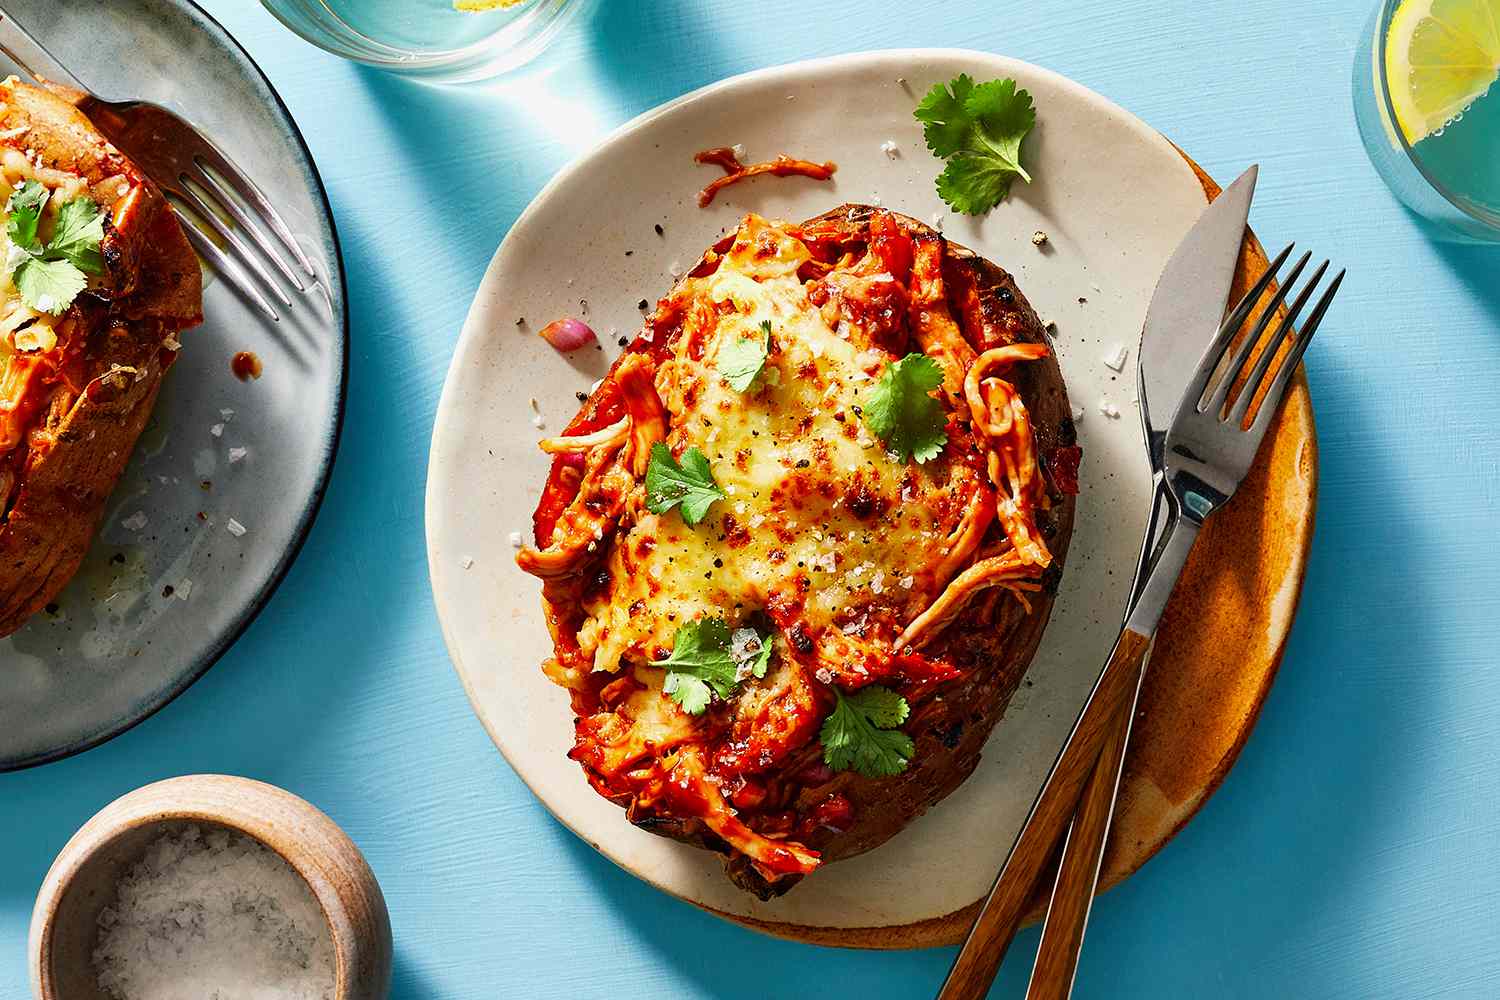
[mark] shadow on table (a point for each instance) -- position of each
(655, 51)
(731, 962)
(1479, 269)
(1331, 774)
(617, 60)
(408, 982)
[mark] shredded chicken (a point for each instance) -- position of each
(1000, 419)
(932, 323)
(966, 537)
(1006, 570)
(613, 468)
(735, 171)
(614, 434)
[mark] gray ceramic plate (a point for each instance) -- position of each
(157, 602)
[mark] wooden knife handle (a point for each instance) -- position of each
(978, 960)
(1078, 871)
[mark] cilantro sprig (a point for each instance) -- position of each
(708, 659)
(978, 129)
(902, 412)
(861, 734)
(742, 358)
(689, 483)
(25, 210)
(49, 277)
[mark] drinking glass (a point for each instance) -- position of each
(432, 39)
(1450, 177)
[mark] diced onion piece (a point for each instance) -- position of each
(568, 334)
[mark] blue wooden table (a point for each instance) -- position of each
(1355, 850)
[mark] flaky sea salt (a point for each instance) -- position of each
(213, 915)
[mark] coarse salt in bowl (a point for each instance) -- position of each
(209, 882)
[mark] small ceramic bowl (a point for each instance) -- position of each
(65, 922)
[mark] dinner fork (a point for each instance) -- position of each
(202, 184)
(1209, 448)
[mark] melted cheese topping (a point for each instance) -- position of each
(817, 512)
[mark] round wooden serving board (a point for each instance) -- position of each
(1216, 654)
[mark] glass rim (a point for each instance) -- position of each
(1388, 112)
(534, 21)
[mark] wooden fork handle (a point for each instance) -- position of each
(978, 960)
(1078, 870)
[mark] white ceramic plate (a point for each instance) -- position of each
(1114, 198)
(155, 604)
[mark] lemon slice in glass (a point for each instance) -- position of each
(1439, 56)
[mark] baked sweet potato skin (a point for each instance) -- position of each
(152, 291)
(951, 721)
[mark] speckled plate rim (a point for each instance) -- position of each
(145, 709)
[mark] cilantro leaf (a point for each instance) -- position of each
(80, 230)
(49, 278)
(690, 484)
(883, 707)
(902, 412)
(24, 208)
(741, 360)
(861, 733)
(978, 129)
(700, 653)
(945, 125)
(972, 184)
(707, 660)
(688, 691)
(48, 285)
(1003, 115)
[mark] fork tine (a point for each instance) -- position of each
(1284, 373)
(211, 186)
(246, 255)
(226, 267)
(210, 156)
(1216, 399)
(1258, 372)
(1214, 353)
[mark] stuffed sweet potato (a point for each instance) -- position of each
(799, 546)
(98, 282)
